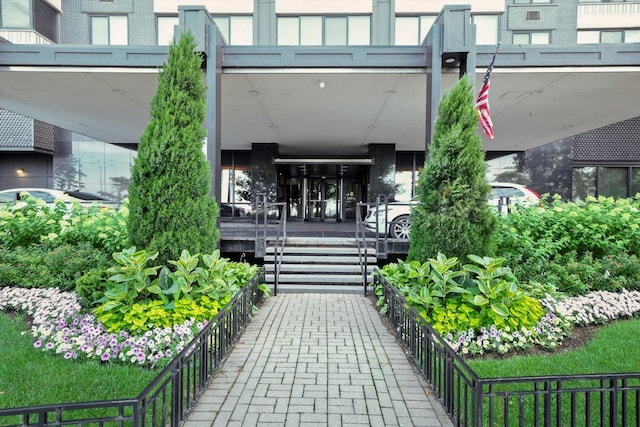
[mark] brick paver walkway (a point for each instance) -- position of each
(317, 359)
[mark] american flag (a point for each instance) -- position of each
(482, 102)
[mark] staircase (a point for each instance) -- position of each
(319, 264)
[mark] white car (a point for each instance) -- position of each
(397, 222)
(49, 196)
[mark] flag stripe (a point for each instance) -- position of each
(482, 102)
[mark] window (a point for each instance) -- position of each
(109, 30)
(412, 30)
(486, 29)
(605, 181)
(236, 30)
(165, 26)
(324, 30)
(15, 14)
(609, 36)
(533, 37)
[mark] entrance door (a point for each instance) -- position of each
(323, 199)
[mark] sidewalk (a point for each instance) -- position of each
(317, 359)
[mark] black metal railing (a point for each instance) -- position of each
(271, 228)
(575, 400)
(167, 400)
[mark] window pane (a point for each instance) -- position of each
(588, 37)
(223, 25)
(15, 14)
(99, 30)
(612, 182)
(119, 35)
(611, 37)
(539, 38)
(407, 30)
(632, 36)
(520, 38)
(165, 29)
(584, 182)
(359, 30)
(241, 31)
(486, 29)
(288, 31)
(311, 30)
(335, 33)
(635, 181)
(425, 25)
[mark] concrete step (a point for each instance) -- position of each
(322, 241)
(329, 279)
(323, 289)
(309, 259)
(317, 268)
(320, 250)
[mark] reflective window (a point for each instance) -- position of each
(109, 30)
(15, 14)
(612, 182)
(486, 29)
(583, 182)
(533, 37)
(412, 30)
(609, 36)
(324, 30)
(166, 25)
(236, 30)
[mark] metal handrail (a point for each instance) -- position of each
(361, 243)
(280, 238)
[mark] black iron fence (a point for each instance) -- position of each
(576, 400)
(167, 400)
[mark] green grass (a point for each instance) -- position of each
(31, 377)
(613, 349)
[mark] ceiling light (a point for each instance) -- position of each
(254, 92)
(322, 84)
(20, 171)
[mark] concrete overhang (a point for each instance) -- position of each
(320, 101)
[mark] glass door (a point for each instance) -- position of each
(323, 199)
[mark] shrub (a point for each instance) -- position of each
(42, 267)
(452, 216)
(169, 201)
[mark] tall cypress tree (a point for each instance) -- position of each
(170, 208)
(453, 216)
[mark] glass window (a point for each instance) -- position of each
(632, 36)
(583, 182)
(407, 30)
(486, 29)
(612, 182)
(412, 30)
(531, 38)
(611, 37)
(288, 31)
(588, 37)
(635, 182)
(335, 31)
(166, 26)
(359, 31)
(109, 30)
(15, 14)
(241, 32)
(236, 30)
(311, 30)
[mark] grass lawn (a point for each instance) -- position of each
(31, 377)
(613, 349)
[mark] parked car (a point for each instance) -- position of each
(50, 196)
(227, 210)
(398, 223)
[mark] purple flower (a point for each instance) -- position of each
(37, 344)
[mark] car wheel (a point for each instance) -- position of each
(399, 228)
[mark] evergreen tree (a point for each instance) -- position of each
(170, 208)
(453, 216)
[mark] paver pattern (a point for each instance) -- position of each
(317, 360)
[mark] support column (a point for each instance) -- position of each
(213, 117)
(383, 22)
(264, 23)
(264, 175)
(382, 174)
